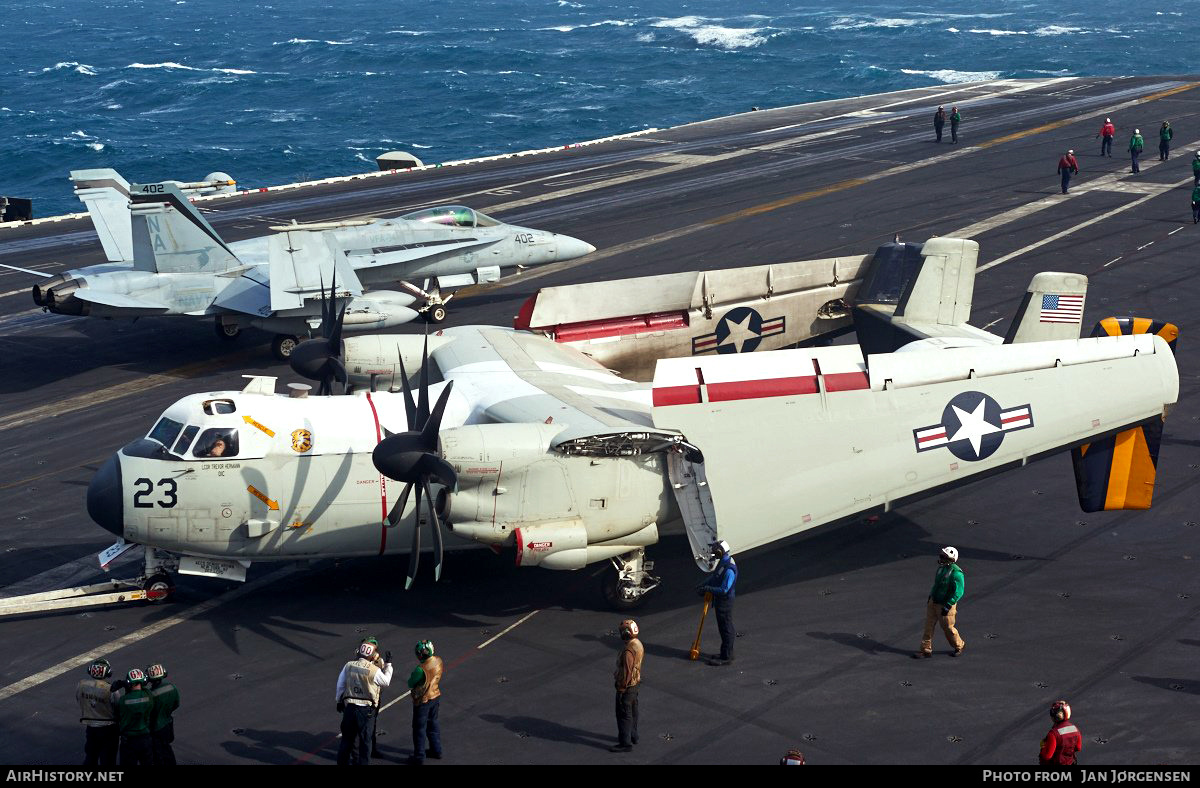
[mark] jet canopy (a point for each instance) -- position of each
(452, 216)
(204, 426)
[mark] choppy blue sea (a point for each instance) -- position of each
(279, 92)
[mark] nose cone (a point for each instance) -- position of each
(104, 497)
(569, 248)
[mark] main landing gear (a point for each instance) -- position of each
(625, 586)
(227, 331)
(434, 310)
(283, 345)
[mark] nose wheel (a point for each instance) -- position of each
(158, 587)
(626, 585)
(283, 345)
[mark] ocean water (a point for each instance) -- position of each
(284, 91)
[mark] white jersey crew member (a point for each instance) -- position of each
(357, 698)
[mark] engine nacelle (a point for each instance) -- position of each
(564, 546)
(379, 356)
(379, 309)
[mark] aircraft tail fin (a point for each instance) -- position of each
(1119, 471)
(106, 195)
(1052, 309)
(170, 235)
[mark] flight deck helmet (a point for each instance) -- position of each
(719, 548)
(156, 672)
(1060, 711)
(135, 676)
(366, 650)
(792, 757)
(629, 629)
(99, 669)
(424, 650)
(949, 555)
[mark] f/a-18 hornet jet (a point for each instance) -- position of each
(165, 259)
(520, 440)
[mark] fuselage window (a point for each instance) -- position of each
(185, 439)
(217, 442)
(165, 431)
(219, 407)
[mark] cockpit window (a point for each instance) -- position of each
(217, 442)
(165, 431)
(219, 407)
(450, 215)
(185, 439)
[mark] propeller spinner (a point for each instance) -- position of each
(320, 359)
(412, 457)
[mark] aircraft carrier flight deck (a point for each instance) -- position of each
(1102, 609)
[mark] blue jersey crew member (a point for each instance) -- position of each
(722, 585)
(357, 696)
(94, 695)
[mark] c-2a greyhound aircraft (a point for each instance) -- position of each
(531, 445)
(165, 259)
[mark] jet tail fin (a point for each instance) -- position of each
(106, 195)
(1119, 471)
(170, 235)
(1052, 309)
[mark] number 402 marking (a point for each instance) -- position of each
(170, 498)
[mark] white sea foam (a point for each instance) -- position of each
(78, 68)
(112, 106)
(338, 43)
(851, 23)
(407, 32)
(1058, 30)
(180, 67)
(999, 32)
(234, 70)
(562, 3)
(716, 35)
(415, 145)
(645, 38)
(97, 146)
(950, 76)
(296, 41)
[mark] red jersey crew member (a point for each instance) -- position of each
(358, 688)
(1063, 741)
(94, 695)
(1107, 132)
(942, 606)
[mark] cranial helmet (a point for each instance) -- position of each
(950, 554)
(99, 669)
(1060, 710)
(135, 676)
(424, 649)
(793, 757)
(366, 650)
(720, 548)
(629, 629)
(156, 672)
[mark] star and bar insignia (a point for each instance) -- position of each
(973, 426)
(739, 330)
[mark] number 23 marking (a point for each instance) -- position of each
(169, 493)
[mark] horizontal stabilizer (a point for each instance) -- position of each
(119, 300)
(171, 237)
(1118, 472)
(249, 294)
(106, 195)
(1052, 309)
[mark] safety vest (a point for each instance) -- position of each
(133, 712)
(166, 701)
(360, 681)
(431, 688)
(632, 646)
(95, 703)
(1068, 741)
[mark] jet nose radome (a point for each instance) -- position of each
(568, 248)
(104, 497)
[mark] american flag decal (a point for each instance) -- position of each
(1062, 308)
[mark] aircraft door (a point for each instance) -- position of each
(695, 505)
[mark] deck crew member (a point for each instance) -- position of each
(357, 696)
(425, 683)
(1136, 144)
(1164, 141)
(1067, 166)
(722, 585)
(94, 695)
(1107, 132)
(955, 119)
(627, 679)
(134, 706)
(1063, 741)
(162, 723)
(942, 605)
(939, 120)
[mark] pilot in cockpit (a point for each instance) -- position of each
(217, 449)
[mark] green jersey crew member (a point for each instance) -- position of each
(357, 696)
(942, 606)
(162, 725)
(134, 706)
(94, 695)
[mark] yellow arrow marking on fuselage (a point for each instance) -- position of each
(272, 505)
(270, 432)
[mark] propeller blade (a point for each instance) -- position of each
(410, 407)
(436, 527)
(393, 518)
(423, 389)
(415, 557)
(429, 433)
(434, 466)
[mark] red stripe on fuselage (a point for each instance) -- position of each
(382, 481)
(755, 389)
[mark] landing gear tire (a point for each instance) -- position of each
(283, 345)
(436, 313)
(158, 587)
(227, 331)
(619, 593)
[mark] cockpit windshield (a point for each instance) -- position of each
(452, 216)
(217, 442)
(165, 431)
(185, 439)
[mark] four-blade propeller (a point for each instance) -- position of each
(320, 359)
(412, 457)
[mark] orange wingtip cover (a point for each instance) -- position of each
(1132, 474)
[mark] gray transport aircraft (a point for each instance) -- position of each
(521, 441)
(165, 259)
